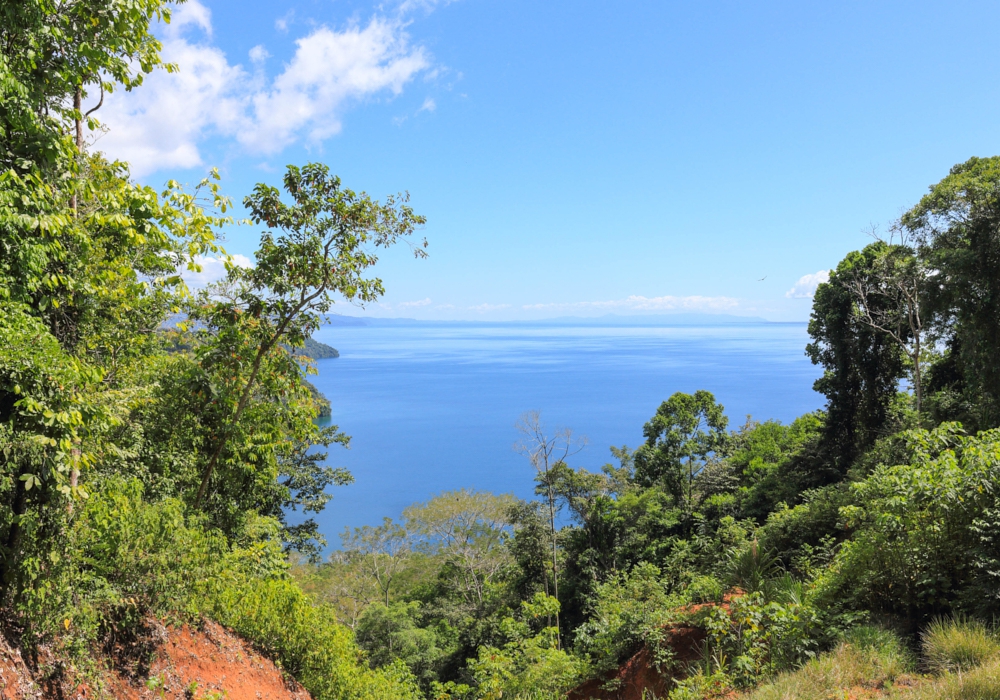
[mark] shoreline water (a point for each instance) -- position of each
(431, 407)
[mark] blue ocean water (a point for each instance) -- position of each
(432, 407)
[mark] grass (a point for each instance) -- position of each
(868, 658)
(963, 655)
(957, 645)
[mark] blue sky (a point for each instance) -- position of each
(582, 158)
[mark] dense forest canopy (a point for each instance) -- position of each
(150, 470)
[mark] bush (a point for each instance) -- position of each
(624, 611)
(957, 645)
(755, 638)
(530, 666)
(923, 539)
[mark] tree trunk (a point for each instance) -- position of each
(78, 106)
(555, 558)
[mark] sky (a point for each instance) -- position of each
(580, 158)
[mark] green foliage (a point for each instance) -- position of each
(685, 431)
(762, 457)
(307, 641)
(957, 224)
(915, 526)
(54, 52)
(624, 612)
(755, 637)
(528, 665)
(957, 645)
(861, 366)
(391, 634)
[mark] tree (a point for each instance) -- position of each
(53, 51)
(862, 365)
(889, 295)
(382, 551)
(544, 453)
(468, 529)
(328, 239)
(686, 430)
(957, 227)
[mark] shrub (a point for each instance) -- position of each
(957, 645)
(755, 638)
(923, 532)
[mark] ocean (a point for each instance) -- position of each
(431, 407)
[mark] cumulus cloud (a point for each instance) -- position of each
(162, 124)
(212, 269)
(429, 105)
(329, 69)
(805, 288)
(641, 303)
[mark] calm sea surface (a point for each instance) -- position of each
(432, 407)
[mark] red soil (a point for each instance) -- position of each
(174, 663)
(16, 682)
(638, 677)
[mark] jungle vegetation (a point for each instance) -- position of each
(148, 472)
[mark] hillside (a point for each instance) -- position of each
(316, 350)
(161, 491)
(170, 663)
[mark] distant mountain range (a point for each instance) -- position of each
(614, 320)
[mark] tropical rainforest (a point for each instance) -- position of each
(161, 457)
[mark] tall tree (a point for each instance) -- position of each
(862, 365)
(545, 452)
(889, 295)
(686, 430)
(468, 529)
(380, 551)
(327, 239)
(958, 226)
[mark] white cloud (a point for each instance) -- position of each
(329, 69)
(191, 13)
(258, 54)
(641, 303)
(161, 124)
(805, 288)
(212, 269)
(414, 304)
(407, 6)
(484, 308)
(429, 105)
(281, 24)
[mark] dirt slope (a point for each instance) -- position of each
(16, 682)
(172, 663)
